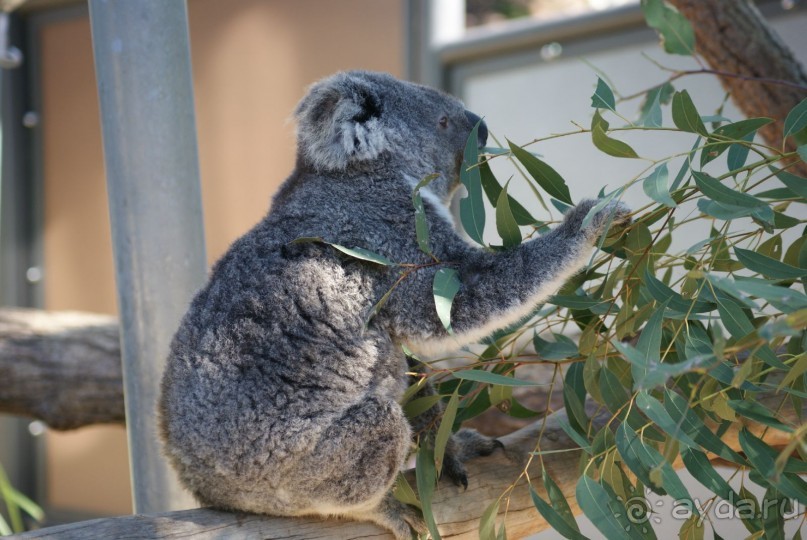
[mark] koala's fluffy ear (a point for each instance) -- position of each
(339, 122)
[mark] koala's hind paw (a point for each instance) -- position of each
(400, 519)
(464, 445)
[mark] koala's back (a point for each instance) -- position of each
(272, 350)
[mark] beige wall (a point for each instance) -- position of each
(252, 61)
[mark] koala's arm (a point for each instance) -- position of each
(497, 288)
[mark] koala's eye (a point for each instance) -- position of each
(444, 121)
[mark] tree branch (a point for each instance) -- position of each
(733, 37)
(60, 367)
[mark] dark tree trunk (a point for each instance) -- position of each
(733, 37)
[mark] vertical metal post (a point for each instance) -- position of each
(143, 71)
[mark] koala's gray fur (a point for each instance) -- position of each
(276, 399)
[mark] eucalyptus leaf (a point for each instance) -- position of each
(796, 119)
(675, 31)
(505, 222)
(472, 206)
(656, 186)
(561, 349)
(758, 413)
(544, 175)
(604, 510)
(445, 430)
(555, 518)
(685, 115)
(426, 479)
(607, 144)
(491, 378)
(445, 287)
(768, 266)
(603, 97)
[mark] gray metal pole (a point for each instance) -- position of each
(143, 70)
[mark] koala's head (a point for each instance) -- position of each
(362, 121)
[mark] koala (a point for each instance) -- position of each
(279, 397)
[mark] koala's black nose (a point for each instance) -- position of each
(482, 132)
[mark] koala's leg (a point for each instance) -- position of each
(464, 445)
(498, 288)
(352, 468)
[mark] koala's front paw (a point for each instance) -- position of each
(614, 214)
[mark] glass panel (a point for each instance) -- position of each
(490, 12)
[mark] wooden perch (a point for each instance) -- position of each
(64, 369)
(61, 367)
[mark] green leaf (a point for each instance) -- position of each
(426, 479)
(702, 470)
(685, 115)
(355, 252)
(562, 348)
(655, 186)
(606, 144)
(717, 143)
(643, 460)
(650, 114)
(762, 458)
(768, 266)
(685, 166)
(445, 429)
(493, 190)
(784, 299)
(738, 153)
(796, 184)
(691, 529)
(491, 378)
(603, 509)
(418, 406)
(421, 225)
(603, 97)
(404, 492)
(487, 523)
(505, 222)
(773, 516)
(544, 175)
(445, 287)
(662, 293)
(472, 207)
(758, 413)
(555, 518)
(575, 435)
(727, 212)
(613, 393)
(558, 500)
(677, 407)
(675, 31)
(654, 410)
(577, 302)
(574, 396)
(796, 119)
(717, 191)
(635, 456)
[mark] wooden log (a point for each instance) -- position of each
(64, 368)
(60, 367)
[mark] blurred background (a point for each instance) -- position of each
(526, 66)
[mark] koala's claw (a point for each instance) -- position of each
(466, 444)
(454, 470)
